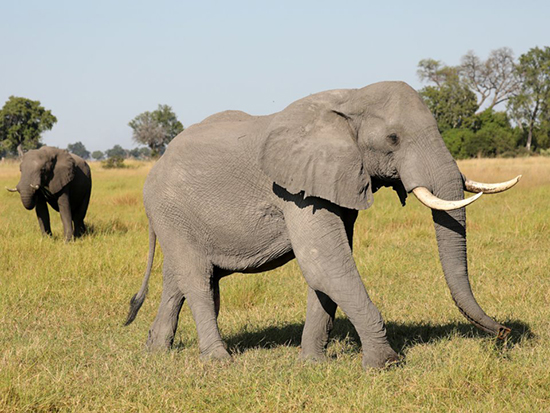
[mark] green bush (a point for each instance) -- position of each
(114, 162)
(488, 135)
(455, 140)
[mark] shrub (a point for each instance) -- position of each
(114, 162)
(488, 135)
(455, 140)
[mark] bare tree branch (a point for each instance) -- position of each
(493, 79)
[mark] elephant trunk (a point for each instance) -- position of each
(437, 171)
(450, 229)
(451, 241)
(28, 194)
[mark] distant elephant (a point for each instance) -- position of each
(61, 179)
(242, 193)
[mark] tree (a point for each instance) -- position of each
(530, 105)
(457, 140)
(450, 101)
(145, 152)
(489, 133)
(494, 79)
(97, 155)
(430, 70)
(116, 151)
(493, 134)
(79, 149)
(156, 129)
(134, 153)
(148, 131)
(452, 104)
(22, 122)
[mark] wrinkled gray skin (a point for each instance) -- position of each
(241, 193)
(64, 181)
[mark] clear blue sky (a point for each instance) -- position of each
(98, 64)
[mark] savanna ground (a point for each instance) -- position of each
(62, 306)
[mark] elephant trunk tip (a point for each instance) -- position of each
(503, 332)
(485, 323)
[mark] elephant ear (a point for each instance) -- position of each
(63, 171)
(311, 146)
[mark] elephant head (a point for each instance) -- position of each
(46, 169)
(343, 145)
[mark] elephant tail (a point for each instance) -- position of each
(138, 299)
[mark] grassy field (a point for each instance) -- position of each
(63, 346)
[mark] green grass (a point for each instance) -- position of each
(63, 346)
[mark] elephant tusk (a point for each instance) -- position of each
(35, 186)
(475, 187)
(11, 189)
(433, 202)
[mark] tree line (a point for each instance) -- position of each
(22, 122)
(499, 106)
(464, 100)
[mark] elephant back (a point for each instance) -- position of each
(228, 116)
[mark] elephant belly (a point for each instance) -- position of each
(225, 208)
(258, 243)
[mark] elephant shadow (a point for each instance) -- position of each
(400, 335)
(105, 228)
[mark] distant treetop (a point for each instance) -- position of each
(22, 122)
(79, 149)
(156, 129)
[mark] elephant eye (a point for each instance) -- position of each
(393, 138)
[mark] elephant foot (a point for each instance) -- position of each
(379, 357)
(157, 344)
(312, 357)
(218, 353)
(156, 348)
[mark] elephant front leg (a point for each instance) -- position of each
(66, 214)
(43, 216)
(321, 309)
(321, 246)
(319, 321)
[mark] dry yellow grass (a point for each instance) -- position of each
(534, 170)
(63, 347)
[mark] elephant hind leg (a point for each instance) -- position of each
(163, 329)
(319, 321)
(187, 275)
(205, 306)
(78, 218)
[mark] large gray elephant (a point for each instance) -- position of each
(63, 180)
(241, 193)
